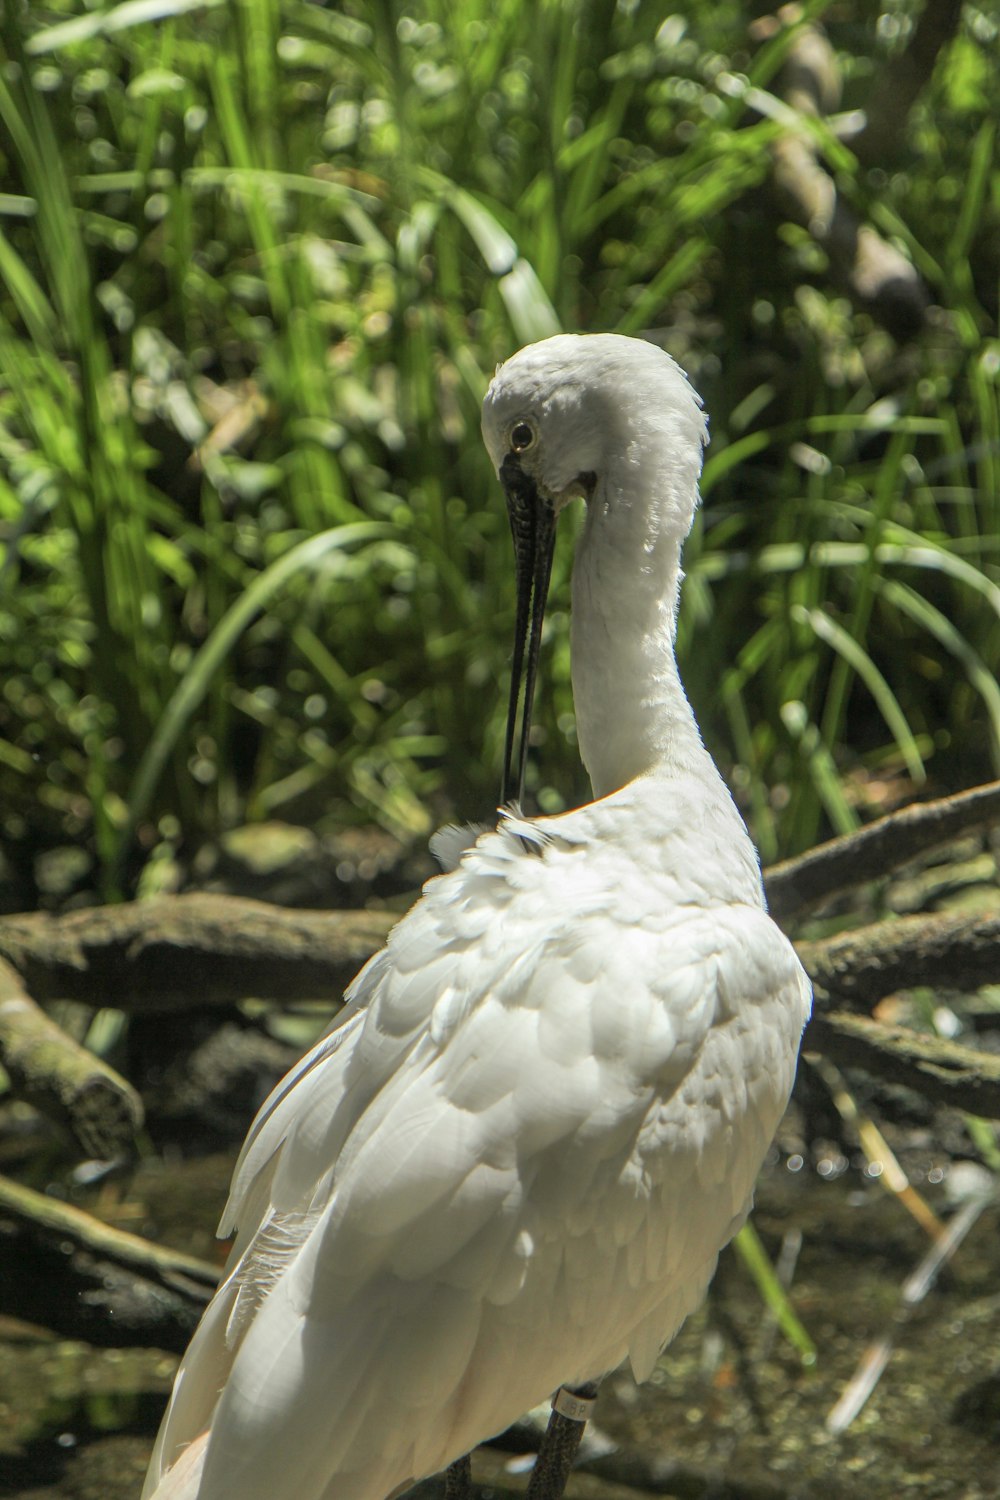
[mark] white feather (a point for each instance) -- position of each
(513, 1160)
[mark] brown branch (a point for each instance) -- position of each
(870, 854)
(940, 1070)
(952, 951)
(177, 952)
(873, 271)
(898, 84)
(52, 1072)
(192, 950)
(65, 1270)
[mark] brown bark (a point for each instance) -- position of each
(874, 272)
(942, 1071)
(871, 853)
(52, 1072)
(899, 83)
(200, 950)
(177, 952)
(950, 951)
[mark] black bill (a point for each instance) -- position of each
(533, 527)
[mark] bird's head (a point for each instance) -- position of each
(559, 417)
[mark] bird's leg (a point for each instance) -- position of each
(458, 1479)
(570, 1410)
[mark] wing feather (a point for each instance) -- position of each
(524, 1126)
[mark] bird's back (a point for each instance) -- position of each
(510, 1164)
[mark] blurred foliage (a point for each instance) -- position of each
(257, 261)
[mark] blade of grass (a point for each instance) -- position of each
(198, 678)
(750, 1249)
(859, 662)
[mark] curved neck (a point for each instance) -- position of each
(633, 717)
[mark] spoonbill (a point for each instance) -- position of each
(512, 1161)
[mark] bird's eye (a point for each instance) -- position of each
(522, 436)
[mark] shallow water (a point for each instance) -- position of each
(730, 1401)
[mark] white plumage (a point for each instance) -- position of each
(513, 1160)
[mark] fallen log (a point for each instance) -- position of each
(177, 952)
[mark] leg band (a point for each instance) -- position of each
(569, 1404)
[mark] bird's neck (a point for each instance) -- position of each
(633, 718)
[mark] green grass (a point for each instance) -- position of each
(257, 262)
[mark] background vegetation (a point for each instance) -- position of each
(257, 261)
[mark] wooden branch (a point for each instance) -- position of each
(871, 853)
(182, 951)
(953, 951)
(65, 1270)
(873, 271)
(196, 950)
(940, 1070)
(52, 1072)
(898, 83)
(177, 952)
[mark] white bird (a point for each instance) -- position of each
(514, 1158)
